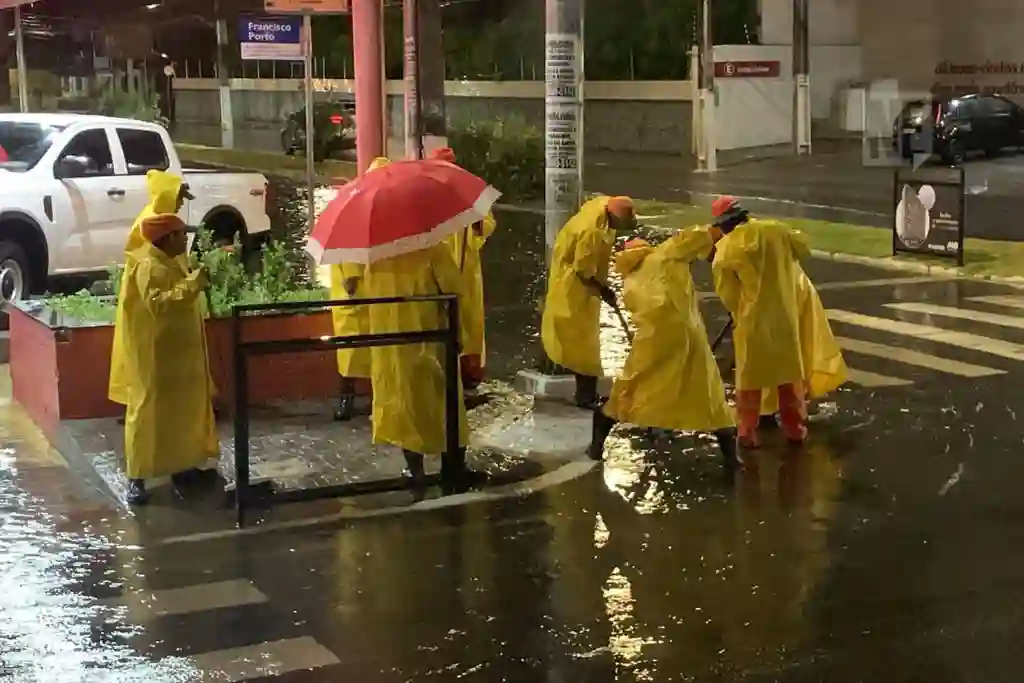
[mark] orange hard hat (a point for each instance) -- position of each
(723, 205)
(621, 207)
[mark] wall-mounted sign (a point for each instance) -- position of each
(270, 37)
(748, 69)
(929, 209)
(314, 6)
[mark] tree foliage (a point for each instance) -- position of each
(504, 39)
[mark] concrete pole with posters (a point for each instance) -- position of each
(368, 51)
(801, 78)
(425, 124)
(563, 110)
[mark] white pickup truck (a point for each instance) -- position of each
(72, 185)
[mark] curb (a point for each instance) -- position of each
(889, 263)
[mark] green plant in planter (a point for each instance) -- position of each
(83, 307)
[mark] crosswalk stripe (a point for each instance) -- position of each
(975, 342)
(1014, 321)
(199, 598)
(1006, 300)
(911, 357)
(872, 379)
(262, 660)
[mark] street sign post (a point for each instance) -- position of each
(307, 8)
(277, 38)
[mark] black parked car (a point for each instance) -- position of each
(334, 125)
(953, 127)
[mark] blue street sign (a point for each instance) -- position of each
(270, 37)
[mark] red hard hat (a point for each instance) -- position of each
(723, 205)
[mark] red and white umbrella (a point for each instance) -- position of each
(400, 208)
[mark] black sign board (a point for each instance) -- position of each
(929, 210)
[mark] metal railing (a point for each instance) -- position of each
(244, 351)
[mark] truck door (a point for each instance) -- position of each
(142, 150)
(94, 194)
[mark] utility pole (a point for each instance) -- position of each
(707, 147)
(563, 109)
(227, 117)
(425, 124)
(19, 36)
(801, 78)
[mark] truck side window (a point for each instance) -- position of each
(93, 149)
(144, 150)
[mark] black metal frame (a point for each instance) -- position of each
(243, 350)
(961, 185)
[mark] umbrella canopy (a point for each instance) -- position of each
(403, 207)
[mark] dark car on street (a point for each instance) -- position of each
(953, 127)
(334, 124)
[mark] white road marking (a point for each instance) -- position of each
(911, 357)
(1013, 321)
(872, 379)
(857, 284)
(974, 342)
(199, 598)
(1006, 300)
(262, 660)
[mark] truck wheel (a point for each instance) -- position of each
(15, 278)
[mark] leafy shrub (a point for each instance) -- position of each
(274, 281)
(142, 104)
(508, 153)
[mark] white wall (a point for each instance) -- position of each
(835, 53)
(754, 112)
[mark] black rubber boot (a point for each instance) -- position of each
(414, 467)
(346, 401)
(602, 427)
(586, 392)
(137, 493)
(730, 452)
(456, 477)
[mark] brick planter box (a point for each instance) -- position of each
(60, 371)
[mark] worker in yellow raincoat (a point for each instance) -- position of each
(756, 273)
(409, 380)
(167, 194)
(823, 359)
(466, 245)
(670, 379)
(347, 282)
(577, 284)
(169, 426)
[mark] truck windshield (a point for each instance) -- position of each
(24, 143)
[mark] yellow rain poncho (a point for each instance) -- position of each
(352, 320)
(169, 426)
(822, 357)
(409, 380)
(570, 327)
(756, 271)
(164, 189)
(670, 379)
(466, 245)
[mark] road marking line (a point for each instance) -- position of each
(911, 357)
(1014, 321)
(871, 379)
(974, 342)
(199, 598)
(857, 284)
(263, 660)
(1006, 300)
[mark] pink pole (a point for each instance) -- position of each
(368, 49)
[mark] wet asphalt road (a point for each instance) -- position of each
(885, 550)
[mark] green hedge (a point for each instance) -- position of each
(508, 153)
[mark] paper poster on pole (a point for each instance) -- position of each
(562, 67)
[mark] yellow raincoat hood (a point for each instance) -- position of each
(630, 258)
(164, 189)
